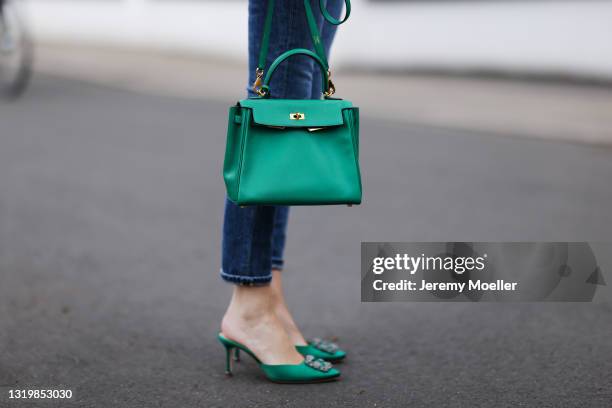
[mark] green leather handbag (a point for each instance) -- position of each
(293, 152)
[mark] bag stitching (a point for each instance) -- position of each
(242, 146)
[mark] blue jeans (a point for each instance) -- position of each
(254, 236)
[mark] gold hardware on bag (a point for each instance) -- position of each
(331, 88)
(257, 83)
(297, 116)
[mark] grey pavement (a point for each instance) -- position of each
(110, 216)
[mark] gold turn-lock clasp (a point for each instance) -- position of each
(297, 116)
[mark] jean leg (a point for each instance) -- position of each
(294, 77)
(247, 244)
(253, 238)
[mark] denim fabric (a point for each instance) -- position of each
(254, 236)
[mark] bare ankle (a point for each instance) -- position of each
(248, 304)
(276, 287)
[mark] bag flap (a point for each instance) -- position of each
(296, 112)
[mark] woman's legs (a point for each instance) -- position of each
(247, 232)
(249, 253)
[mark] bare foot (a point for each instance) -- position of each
(282, 312)
(251, 319)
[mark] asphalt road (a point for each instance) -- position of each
(110, 215)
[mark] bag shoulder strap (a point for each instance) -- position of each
(265, 39)
(314, 35)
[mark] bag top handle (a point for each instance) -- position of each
(314, 35)
(265, 88)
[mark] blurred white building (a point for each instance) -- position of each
(572, 37)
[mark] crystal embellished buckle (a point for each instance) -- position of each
(323, 345)
(317, 363)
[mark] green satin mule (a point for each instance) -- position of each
(311, 370)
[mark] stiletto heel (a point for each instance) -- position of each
(310, 370)
(236, 354)
(228, 360)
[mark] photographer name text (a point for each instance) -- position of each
(450, 264)
(423, 285)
